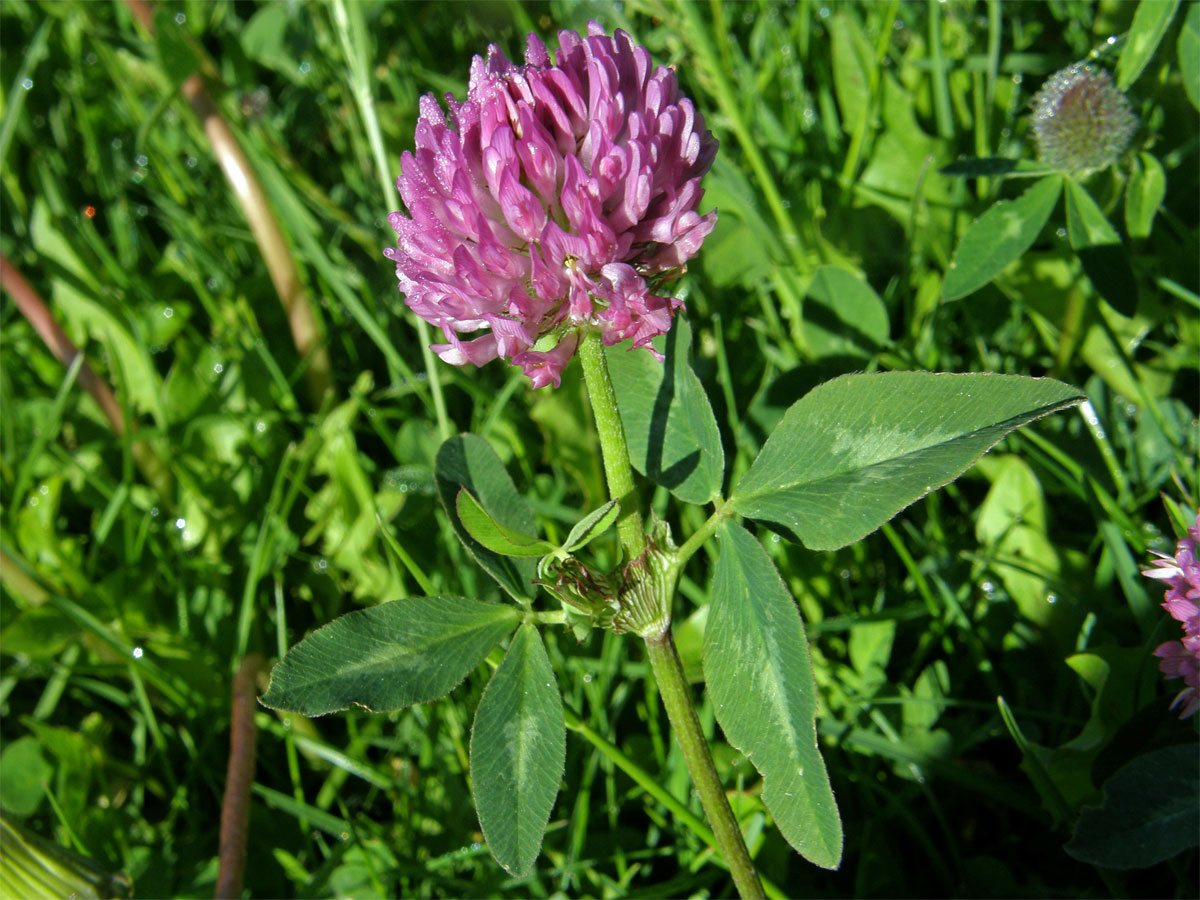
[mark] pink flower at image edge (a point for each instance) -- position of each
(1181, 659)
(558, 196)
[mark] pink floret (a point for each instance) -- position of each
(551, 200)
(1181, 658)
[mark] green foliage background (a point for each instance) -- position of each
(126, 609)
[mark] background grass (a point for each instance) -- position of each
(127, 606)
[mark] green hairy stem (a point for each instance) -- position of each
(660, 646)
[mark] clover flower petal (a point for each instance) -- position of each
(559, 195)
(1181, 658)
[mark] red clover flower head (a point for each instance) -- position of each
(1081, 122)
(1181, 659)
(557, 196)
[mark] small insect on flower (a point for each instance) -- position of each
(558, 196)
(1181, 659)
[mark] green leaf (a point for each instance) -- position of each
(23, 773)
(468, 461)
(898, 163)
(84, 314)
(930, 691)
(1151, 812)
(569, 434)
(669, 425)
(174, 51)
(1100, 252)
(389, 656)
(1144, 193)
(271, 39)
(852, 61)
(999, 237)
(1150, 23)
(1011, 523)
(1188, 50)
(592, 526)
(1087, 225)
(997, 167)
(39, 632)
(755, 647)
(843, 316)
(494, 536)
(518, 749)
(870, 645)
(734, 253)
(853, 452)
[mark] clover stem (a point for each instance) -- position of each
(660, 646)
(613, 448)
(677, 698)
(702, 535)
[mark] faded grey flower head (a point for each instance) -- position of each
(1081, 122)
